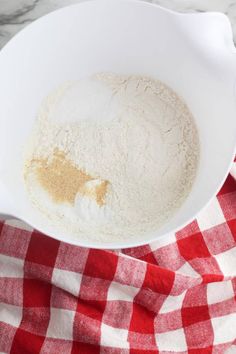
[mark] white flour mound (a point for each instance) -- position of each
(132, 131)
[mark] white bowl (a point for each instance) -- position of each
(192, 53)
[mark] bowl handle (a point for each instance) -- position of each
(211, 29)
(212, 33)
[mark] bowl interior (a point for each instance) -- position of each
(126, 37)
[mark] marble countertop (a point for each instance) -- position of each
(16, 14)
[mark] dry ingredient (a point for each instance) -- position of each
(63, 180)
(111, 156)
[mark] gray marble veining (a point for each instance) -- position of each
(16, 14)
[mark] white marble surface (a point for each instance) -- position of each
(16, 14)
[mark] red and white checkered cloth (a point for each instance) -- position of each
(177, 295)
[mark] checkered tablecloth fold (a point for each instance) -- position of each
(176, 295)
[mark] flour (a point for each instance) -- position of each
(131, 131)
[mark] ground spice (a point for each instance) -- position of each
(63, 180)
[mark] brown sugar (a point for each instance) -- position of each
(63, 180)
